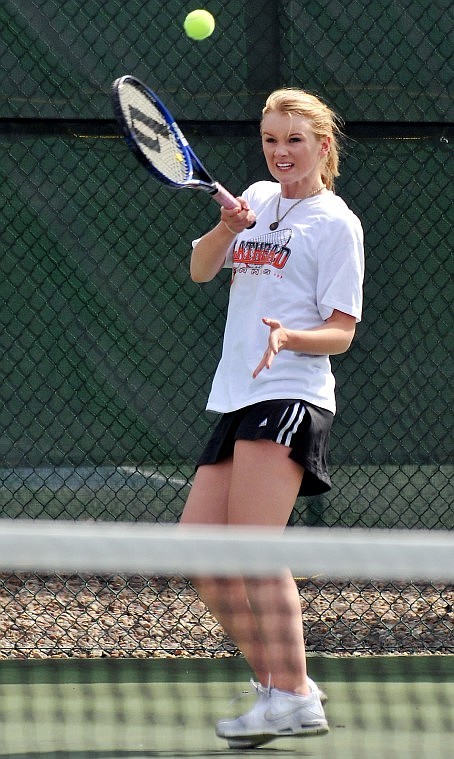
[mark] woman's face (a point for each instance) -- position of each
(293, 153)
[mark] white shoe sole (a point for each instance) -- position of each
(254, 741)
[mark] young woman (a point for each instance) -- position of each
(296, 252)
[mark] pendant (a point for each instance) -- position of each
(274, 225)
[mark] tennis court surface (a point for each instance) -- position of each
(377, 707)
(104, 708)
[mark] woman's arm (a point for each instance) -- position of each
(209, 254)
(332, 337)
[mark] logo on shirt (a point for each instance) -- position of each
(263, 254)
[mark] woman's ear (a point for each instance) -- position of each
(325, 145)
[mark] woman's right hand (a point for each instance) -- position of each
(238, 219)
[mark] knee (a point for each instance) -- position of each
(217, 590)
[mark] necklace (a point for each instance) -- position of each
(276, 223)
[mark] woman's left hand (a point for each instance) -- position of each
(332, 337)
(276, 341)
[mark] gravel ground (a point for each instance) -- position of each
(75, 616)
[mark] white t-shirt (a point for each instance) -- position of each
(312, 264)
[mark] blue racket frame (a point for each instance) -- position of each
(203, 182)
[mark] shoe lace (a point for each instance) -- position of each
(255, 686)
(261, 689)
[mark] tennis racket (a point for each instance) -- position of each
(158, 143)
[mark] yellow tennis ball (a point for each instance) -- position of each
(199, 24)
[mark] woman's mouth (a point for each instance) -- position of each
(284, 166)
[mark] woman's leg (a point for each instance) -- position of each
(258, 487)
(208, 504)
(263, 489)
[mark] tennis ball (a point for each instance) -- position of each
(199, 24)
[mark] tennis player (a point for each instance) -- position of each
(296, 253)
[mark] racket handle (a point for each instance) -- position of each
(224, 197)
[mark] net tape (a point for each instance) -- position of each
(171, 549)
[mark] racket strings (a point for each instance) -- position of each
(154, 136)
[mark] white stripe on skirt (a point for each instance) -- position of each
(285, 434)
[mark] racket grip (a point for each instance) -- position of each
(224, 197)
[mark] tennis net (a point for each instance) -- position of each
(107, 704)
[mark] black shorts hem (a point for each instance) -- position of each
(309, 446)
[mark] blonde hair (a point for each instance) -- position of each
(323, 120)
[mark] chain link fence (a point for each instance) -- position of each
(108, 348)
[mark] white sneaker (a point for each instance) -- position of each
(275, 714)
